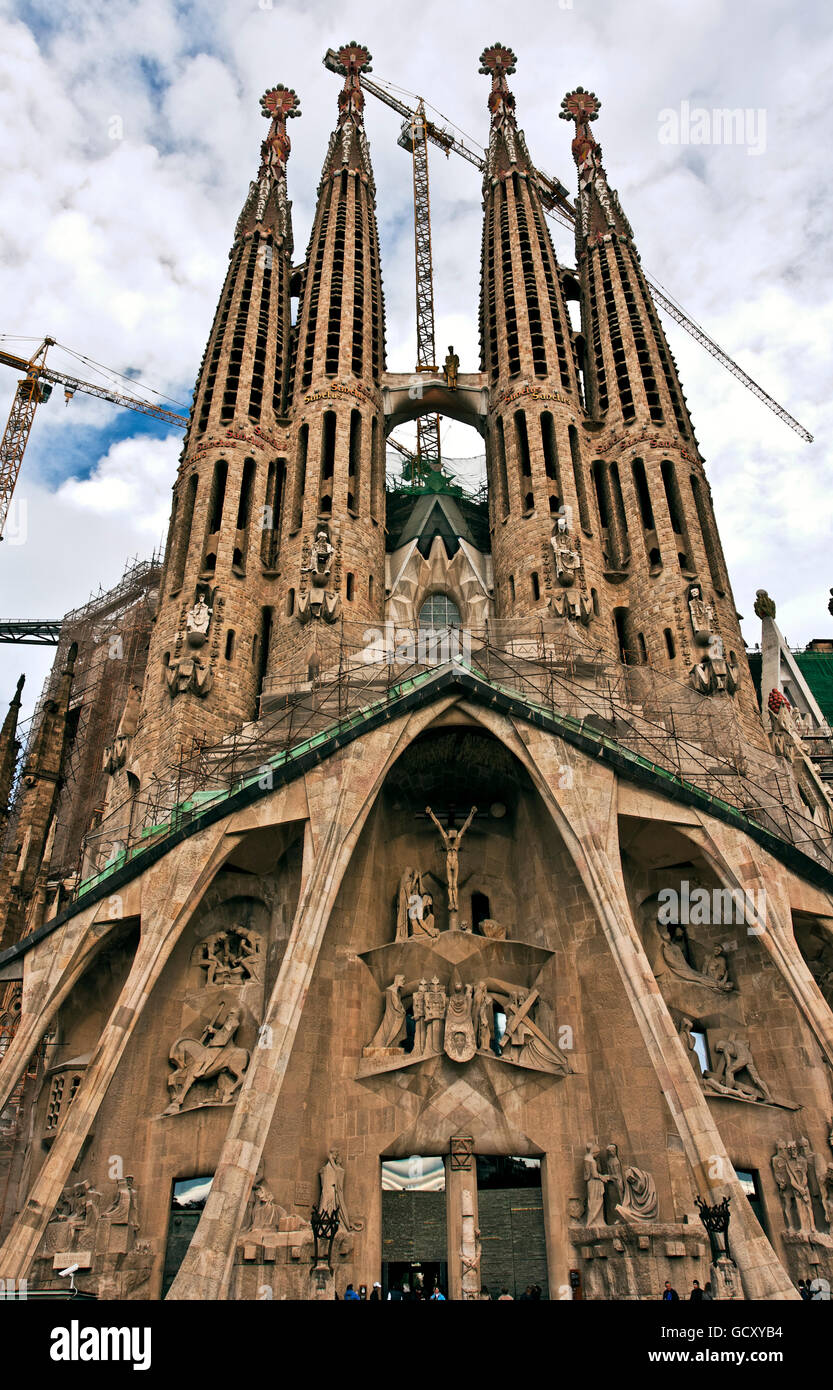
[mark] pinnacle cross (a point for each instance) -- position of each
(582, 107)
(351, 60)
(498, 62)
(279, 104)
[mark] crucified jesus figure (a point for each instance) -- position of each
(451, 840)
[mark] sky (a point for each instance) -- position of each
(131, 134)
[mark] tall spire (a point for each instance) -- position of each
(507, 146)
(348, 148)
(266, 204)
(599, 208)
(535, 402)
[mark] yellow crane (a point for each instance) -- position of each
(35, 388)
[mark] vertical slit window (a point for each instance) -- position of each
(377, 480)
(218, 497)
(183, 536)
(578, 477)
(238, 341)
(328, 462)
(503, 480)
(643, 495)
(354, 465)
(510, 312)
(300, 477)
(245, 501)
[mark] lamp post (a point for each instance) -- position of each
(324, 1225)
(716, 1221)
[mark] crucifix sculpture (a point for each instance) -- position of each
(451, 839)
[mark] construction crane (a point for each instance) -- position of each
(557, 206)
(414, 138)
(34, 389)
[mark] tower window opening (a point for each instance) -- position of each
(245, 500)
(578, 477)
(669, 643)
(502, 476)
(550, 447)
(354, 464)
(350, 586)
(237, 564)
(511, 588)
(643, 650)
(707, 528)
(594, 599)
(265, 641)
(597, 471)
(229, 644)
(290, 603)
(522, 441)
(183, 535)
(643, 495)
(536, 585)
(300, 477)
(622, 624)
(218, 496)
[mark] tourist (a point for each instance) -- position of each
(804, 1289)
(696, 1295)
(376, 1294)
(350, 1294)
(485, 1295)
(363, 1291)
(528, 1295)
(437, 1296)
(505, 1296)
(670, 1295)
(708, 1296)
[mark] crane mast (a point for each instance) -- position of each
(414, 138)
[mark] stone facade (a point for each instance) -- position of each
(548, 902)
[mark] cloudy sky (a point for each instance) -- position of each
(131, 132)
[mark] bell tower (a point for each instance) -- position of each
(207, 649)
(667, 584)
(547, 559)
(332, 539)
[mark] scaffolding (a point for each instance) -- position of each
(340, 683)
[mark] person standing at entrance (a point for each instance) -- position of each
(670, 1295)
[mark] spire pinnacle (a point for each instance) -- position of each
(600, 212)
(351, 60)
(279, 105)
(499, 62)
(266, 201)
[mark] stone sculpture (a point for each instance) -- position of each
(780, 1172)
(735, 1059)
(797, 1174)
(409, 902)
(435, 1005)
(331, 1178)
(207, 1053)
(484, 1017)
(231, 957)
(672, 941)
(640, 1203)
(317, 599)
(594, 1181)
(393, 1027)
(452, 840)
(615, 1192)
(459, 1042)
(123, 1217)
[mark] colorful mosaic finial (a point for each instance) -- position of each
(581, 107)
(498, 62)
(277, 105)
(351, 60)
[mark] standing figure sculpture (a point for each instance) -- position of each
(393, 1027)
(452, 840)
(332, 1200)
(595, 1185)
(613, 1163)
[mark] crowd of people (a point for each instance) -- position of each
(531, 1294)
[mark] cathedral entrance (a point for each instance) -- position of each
(187, 1201)
(511, 1214)
(414, 1226)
